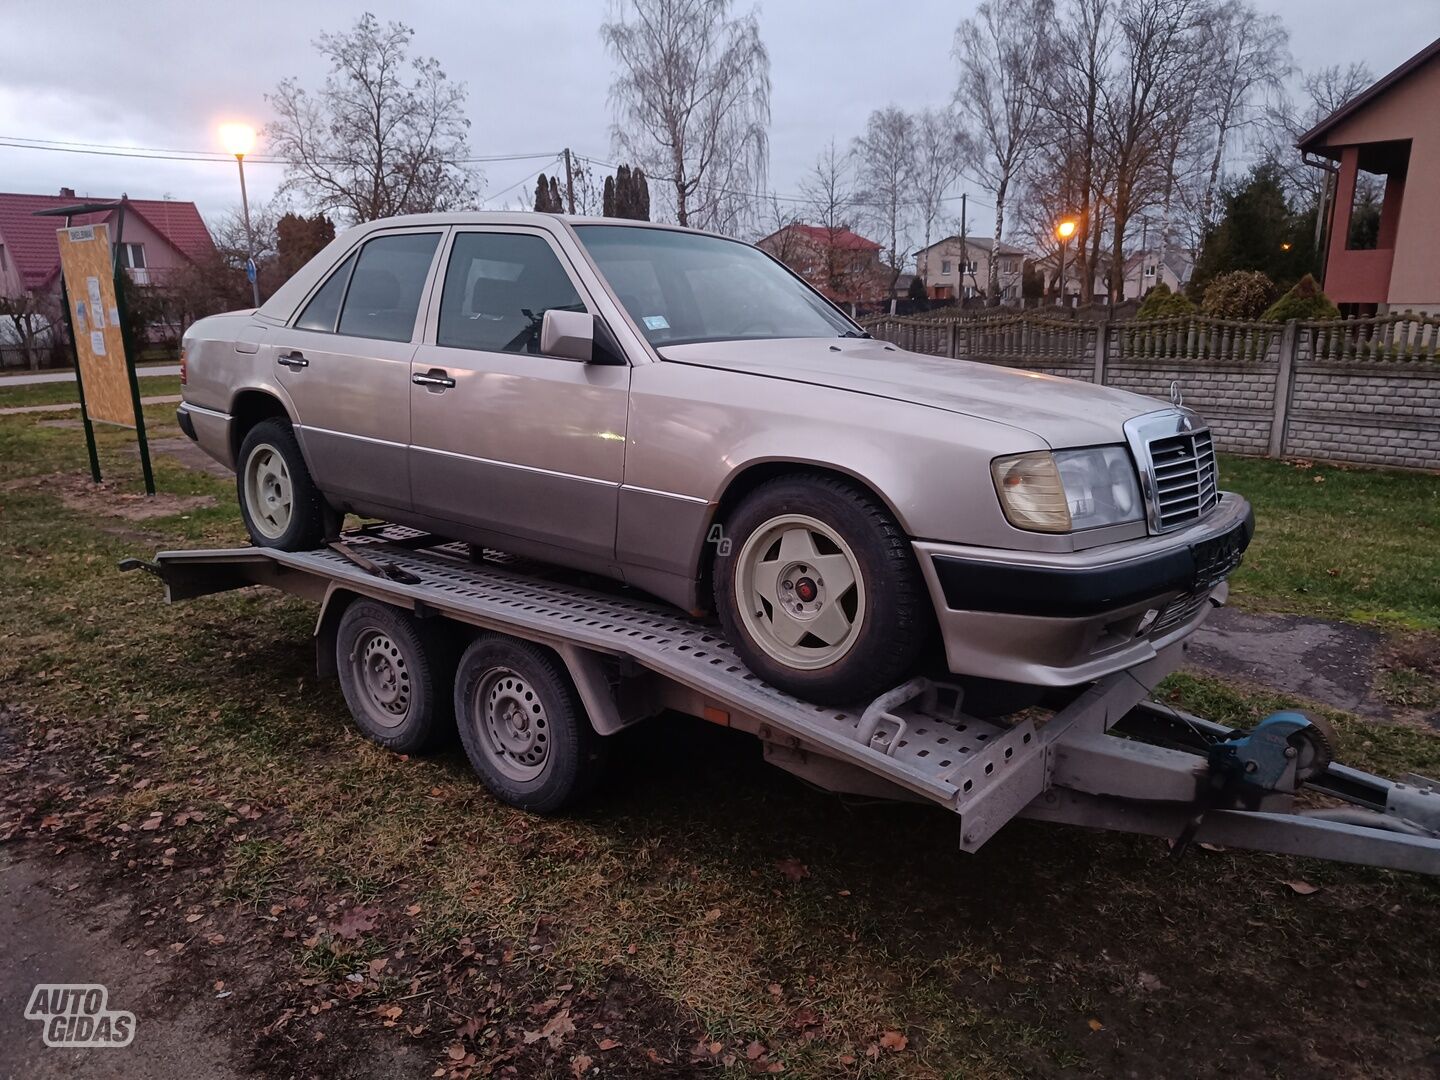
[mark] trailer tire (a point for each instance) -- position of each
(523, 726)
(394, 677)
(279, 502)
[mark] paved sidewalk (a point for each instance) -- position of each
(145, 372)
(74, 406)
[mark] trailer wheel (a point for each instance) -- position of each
(523, 727)
(393, 676)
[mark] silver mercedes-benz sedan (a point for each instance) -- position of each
(680, 412)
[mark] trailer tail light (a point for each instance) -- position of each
(182, 367)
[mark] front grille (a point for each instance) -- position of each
(1185, 488)
(1179, 612)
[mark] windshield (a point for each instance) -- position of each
(683, 287)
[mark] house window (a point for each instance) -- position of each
(1149, 271)
(132, 256)
(970, 267)
(944, 266)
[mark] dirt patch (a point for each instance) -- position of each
(186, 453)
(1408, 676)
(107, 497)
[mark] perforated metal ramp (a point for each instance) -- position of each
(940, 758)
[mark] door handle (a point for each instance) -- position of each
(293, 360)
(434, 378)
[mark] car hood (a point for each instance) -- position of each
(1062, 412)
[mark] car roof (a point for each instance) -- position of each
(517, 217)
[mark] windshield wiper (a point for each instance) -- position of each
(856, 333)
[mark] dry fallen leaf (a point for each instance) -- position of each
(894, 1040)
(1095, 1025)
(792, 869)
(356, 921)
(755, 1050)
(1303, 888)
(580, 1065)
(1150, 983)
(608, 1044)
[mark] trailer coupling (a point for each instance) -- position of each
(1273, 788)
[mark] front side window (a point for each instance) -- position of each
(324, 306)
(385, 289)
(684, 287)
(498, 287)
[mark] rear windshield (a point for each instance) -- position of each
(684, 287)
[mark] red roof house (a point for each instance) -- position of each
(843, 265)
(159, 235)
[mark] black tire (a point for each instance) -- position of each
(395, 677)
(311, 519)
(897, 620)
(541, 754)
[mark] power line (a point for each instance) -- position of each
(158, 153)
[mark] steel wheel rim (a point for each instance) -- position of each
(383, 679)
(512, 723)
(269, 493)
(799, 592)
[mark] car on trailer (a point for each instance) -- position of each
(680, 412)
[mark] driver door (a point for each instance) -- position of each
(503, 438)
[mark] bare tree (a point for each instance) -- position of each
(692, 103)
(1147, 110)
(885, 177)
(1002, 53)
(1322, 92)
(830, 199)
(384, 135)
(1248, 54)
(942, 149)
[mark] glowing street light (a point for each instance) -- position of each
(1064, 229)
(239, 139)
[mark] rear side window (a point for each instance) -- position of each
(498, 287)
(385, 289)
(324, 306)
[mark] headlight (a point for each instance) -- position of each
(1067, 490)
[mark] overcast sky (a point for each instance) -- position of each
(165, 73)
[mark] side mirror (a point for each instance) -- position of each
(569, 335)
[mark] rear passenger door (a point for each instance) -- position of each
(345, 363)
(505, 438)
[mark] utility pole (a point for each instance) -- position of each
(569, 184)
(964, 252)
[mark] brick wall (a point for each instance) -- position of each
(1364, 391)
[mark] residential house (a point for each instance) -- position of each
(160, 235)
(843, 265)
(1389, 130)
(952, 270)
(1146, 269)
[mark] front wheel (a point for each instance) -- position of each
(819, 593)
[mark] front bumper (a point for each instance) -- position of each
(1061, 619)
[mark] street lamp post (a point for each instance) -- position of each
(1064, 230)
(238, 140)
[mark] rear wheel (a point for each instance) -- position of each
(394, 677)
(279, 502)
(523, 727)
(819, 592)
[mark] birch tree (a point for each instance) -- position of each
(1249, 55)
(942, 149)
(1002, 52)
(885, 177)
(691, 95)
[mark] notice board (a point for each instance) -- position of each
(86, 262)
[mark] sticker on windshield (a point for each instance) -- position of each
(656, 322)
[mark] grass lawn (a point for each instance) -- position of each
(59, 393)
(742, 920)
(1340, 542)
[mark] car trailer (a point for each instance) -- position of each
(1104, 757)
